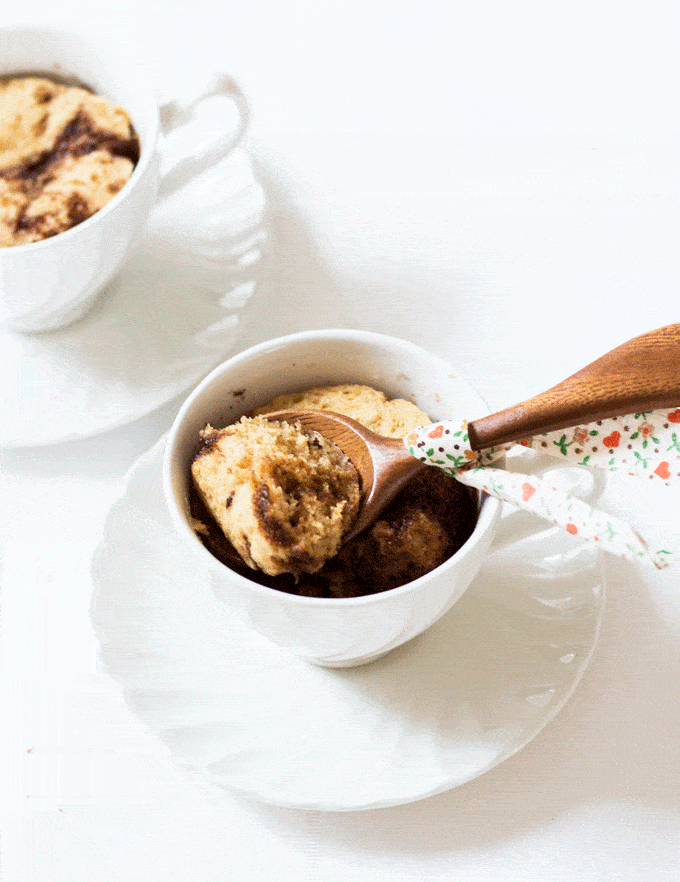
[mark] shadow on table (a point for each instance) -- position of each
(309, 281)
(615, 742)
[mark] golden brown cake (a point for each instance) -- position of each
(390, 417)
(424, 525)
(283, 497)
(64, 154)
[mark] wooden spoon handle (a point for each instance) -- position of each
(642, 374)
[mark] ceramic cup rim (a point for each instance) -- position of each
(147, 149)
(489, 510)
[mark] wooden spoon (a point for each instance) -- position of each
(642, 374)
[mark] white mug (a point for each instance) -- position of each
(334, 632)
(51, 283)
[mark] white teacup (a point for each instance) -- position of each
(332, 632)
(51, 283)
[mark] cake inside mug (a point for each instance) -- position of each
(273, 502)
(64, 154)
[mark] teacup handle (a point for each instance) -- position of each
(174, 114)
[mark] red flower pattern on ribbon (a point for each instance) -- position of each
(644, 444)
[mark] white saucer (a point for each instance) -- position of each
(248, 717)
(162, 325)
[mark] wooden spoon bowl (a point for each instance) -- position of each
(383, 464)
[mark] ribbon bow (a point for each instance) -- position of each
(646, 444)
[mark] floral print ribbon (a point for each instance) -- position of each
(646, 444)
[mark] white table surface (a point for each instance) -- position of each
(497, 182)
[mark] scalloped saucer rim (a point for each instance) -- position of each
(245, 717)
